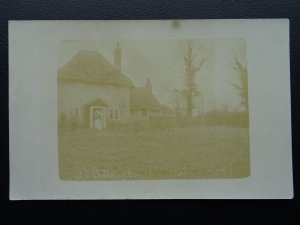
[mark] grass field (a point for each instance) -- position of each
(179, 153)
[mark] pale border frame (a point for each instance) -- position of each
(32, 91)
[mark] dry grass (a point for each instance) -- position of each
(179, 153)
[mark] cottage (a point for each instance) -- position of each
(95, 94)
(92, 92)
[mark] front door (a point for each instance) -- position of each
(98, 118)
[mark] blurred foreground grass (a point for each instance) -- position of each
(178, 153)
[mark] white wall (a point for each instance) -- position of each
(77, 94)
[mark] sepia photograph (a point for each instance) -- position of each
(148, 109)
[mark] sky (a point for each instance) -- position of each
(162, 61)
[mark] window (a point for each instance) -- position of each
(116, 115)
(111, 114)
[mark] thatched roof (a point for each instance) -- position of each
(92, 67)
(142, 98)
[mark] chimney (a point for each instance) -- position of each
(149, 85)
(118, 56)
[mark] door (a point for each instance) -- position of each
(98, 119)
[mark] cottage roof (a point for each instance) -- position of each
(92, 67)
(142, 98)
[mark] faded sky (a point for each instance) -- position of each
(162, 62)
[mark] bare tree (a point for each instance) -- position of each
(177, 101)
(190, 86)
(242, 86)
